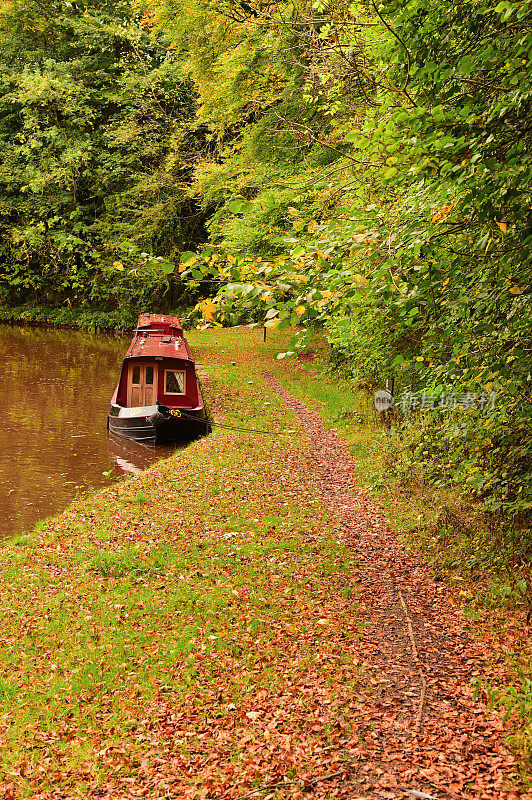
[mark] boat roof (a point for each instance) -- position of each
(159, 347)
(159, 336)
(161, 322)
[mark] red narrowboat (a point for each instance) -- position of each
(158, 397)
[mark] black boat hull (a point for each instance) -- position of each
(163, 426)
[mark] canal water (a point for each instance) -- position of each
(55, 392)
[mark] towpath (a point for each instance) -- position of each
(425, 730)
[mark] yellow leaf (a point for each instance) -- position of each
(300, 310)
(118, 265)
(182, 267)
(293, 211)
(515, 289)
(231, 259)
(503, 226)
(442, 213)
(311, 227)
(207, 311)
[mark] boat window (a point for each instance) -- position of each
(149, 375)
(135, 374)
(174, 382)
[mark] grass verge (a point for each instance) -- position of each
(194, 629)
(194, 626)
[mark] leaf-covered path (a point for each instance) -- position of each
(424, 729)
(226, 625)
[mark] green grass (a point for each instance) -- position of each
(209, 580)
(202, 612)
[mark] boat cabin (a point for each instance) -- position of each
(158, 367)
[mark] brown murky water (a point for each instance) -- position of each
(56, 387)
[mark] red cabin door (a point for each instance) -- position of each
(142, 385)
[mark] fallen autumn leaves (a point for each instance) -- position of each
(200, 632)
(430, 726)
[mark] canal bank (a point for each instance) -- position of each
(149, 622)
(198, 630)
(73, 318)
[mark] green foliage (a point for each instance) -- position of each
(93, 136)
(364, 344)
(363, 169)
(402, 223)
(516, 700)
(69, 317)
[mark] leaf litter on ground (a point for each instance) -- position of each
(238, 632)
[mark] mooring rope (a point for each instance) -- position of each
(208, 422)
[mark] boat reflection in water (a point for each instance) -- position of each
(132, 458)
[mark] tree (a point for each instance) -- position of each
(95, 147)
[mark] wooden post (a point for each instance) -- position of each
(390, 383)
